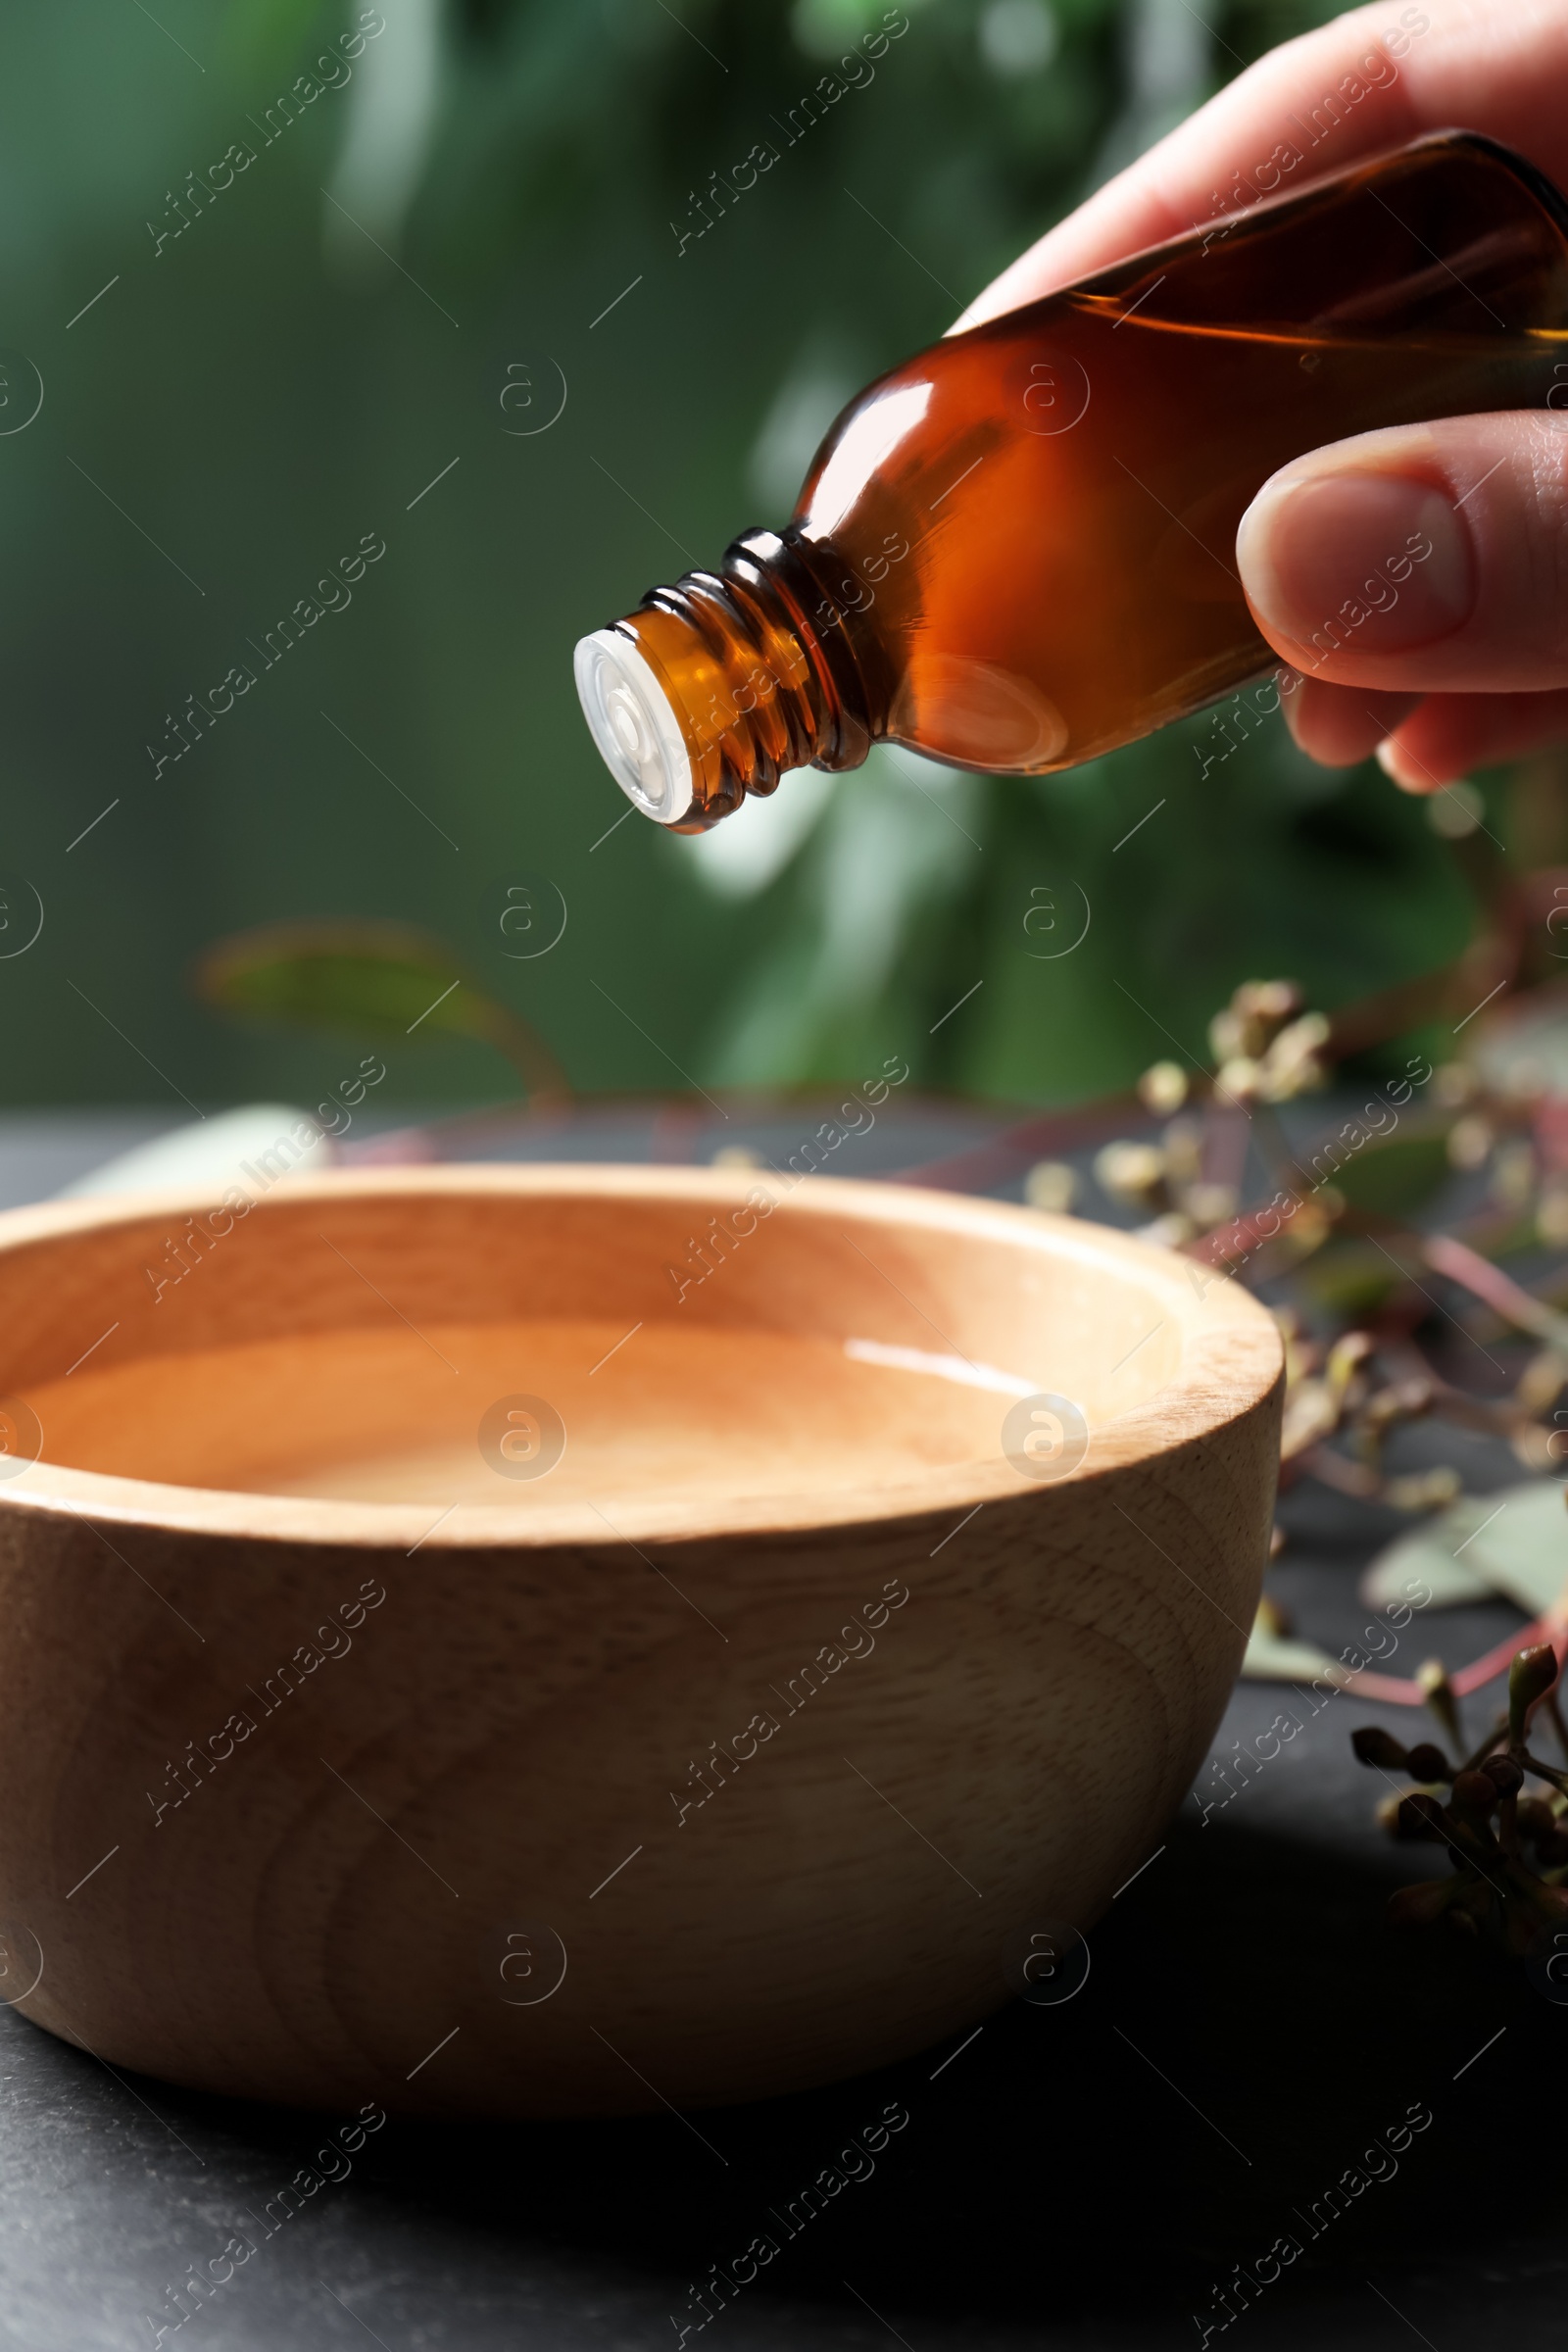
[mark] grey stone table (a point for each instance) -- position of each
(1083, 2175)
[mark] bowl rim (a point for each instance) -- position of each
(1233, 1360)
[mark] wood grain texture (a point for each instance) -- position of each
(500, 1744)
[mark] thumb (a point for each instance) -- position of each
(1429, 558)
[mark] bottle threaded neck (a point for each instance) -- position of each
(717, 686)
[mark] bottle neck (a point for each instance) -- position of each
(717, 686)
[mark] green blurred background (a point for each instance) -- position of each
(397, 288)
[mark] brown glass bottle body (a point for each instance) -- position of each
(1017, 550)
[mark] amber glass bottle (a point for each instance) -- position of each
(1019, 550)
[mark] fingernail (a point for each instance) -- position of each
(1398, 769)
(1344, 562)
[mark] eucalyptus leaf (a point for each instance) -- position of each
(1429, 1555)
(1514, 1543)
(1524, 1042)
(1524, 1551)
(1276, 1658)
(1351, 1279)
(1394, 1179)
(381, 979)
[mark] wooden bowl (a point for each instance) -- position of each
(358, 1742)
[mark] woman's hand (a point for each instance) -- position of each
(1471, 664)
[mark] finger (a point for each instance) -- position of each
(1450, 734)
(1492, 65)
(1340, 725)
(1429, 558)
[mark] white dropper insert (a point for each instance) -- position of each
(630, 719)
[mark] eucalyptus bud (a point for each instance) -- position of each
(1421, 1816)
(1470, 1141)
(1437, 1692)
(1530, 1676)
(1419, 1906)
(1270, 1000)
(1504, 1773)
(1210, 1204)
(1549, 1904)
(1374, 1745)
(1426, 1762)
(1238, 1078)
(1346, 1358)
(1132, 1173)
(1162, 1088)
(1474, 1792)
(1424, 1490)
(1051, 1185)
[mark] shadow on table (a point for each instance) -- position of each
(1249, 2031)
